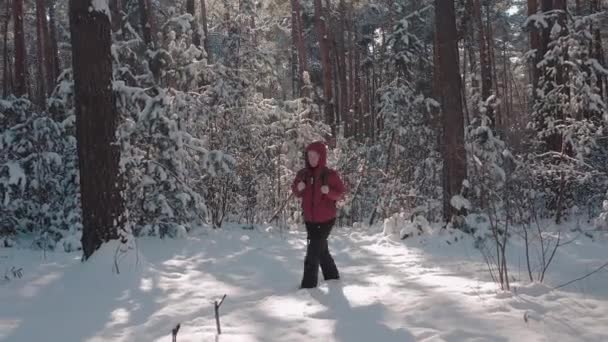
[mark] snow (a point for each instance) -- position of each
(460, 202)
(16, 175)
(418, 289)
(101, 6)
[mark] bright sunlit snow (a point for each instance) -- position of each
(420, 289)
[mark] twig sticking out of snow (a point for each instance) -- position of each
(217, 315)
(583, 277)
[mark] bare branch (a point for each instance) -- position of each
(583, 277)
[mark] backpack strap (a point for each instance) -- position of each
(304, 174)
(324, 175)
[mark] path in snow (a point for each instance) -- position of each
(389, 292)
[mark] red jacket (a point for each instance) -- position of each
(318, 207)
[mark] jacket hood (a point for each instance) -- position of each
(320, 148)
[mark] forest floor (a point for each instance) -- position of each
(429, 288)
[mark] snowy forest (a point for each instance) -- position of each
(161, 138)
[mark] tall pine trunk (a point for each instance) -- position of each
(492, 58)
(54, 49)
(535, 44)
(454, 154)
(116, 8)
(598, 50)
(321, 24)
(96, 122)
(484, 57)
(146, 22)
(331, 34)
(205, 30)
(6, 74)
(341, 55)
(196, 37)
(20, 86)
(46, 80)
(298, 42)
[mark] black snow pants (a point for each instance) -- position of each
(317, 254)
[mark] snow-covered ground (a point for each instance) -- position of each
(420, 289)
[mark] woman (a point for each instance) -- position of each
(319, 187)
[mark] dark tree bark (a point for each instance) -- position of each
(555, 141)
(357, 86)
(534, 45)
(96, 122)
(6, 74)
(454, 154)
(484, 57)
(298, 41)
(321, 24)
(330, 27)
(146, 22)
(196, 38)
(546, 6)
(54, 49)
(598, 49)
(20, 86)
(205, 30)
(46, 80)
(116, 8)
(351, 73)
(491, 49)
(341, 57)
(296, 70)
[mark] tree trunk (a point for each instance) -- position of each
(341, 58)
(534, 45)
(298, 41)
(146, 22)
(205, 30)
(546, 6)
(337, 90)
(492, 58)
(320, 20)
(20, 86)
(555, 141)
(357, 86)
(96, 122)
(351, 74)
(116, 9)
(6, 75)
(484, 58)
(296, 76)
(330, 27)
(47, 81)
(598, 51)
(196, 37)
(54, 49)
(465, 105)
(506, 112)
(454, 154)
